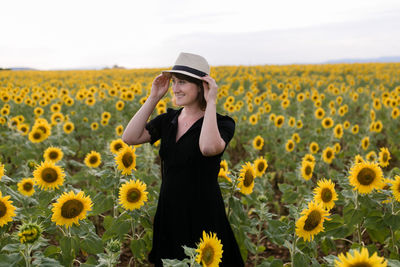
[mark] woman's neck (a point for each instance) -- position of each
(192, 111)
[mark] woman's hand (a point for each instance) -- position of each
(210, 88)
(160, 86)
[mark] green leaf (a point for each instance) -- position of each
(351, 215)
(92, 244)
(11, 260)
(392, 221)
(51, 250)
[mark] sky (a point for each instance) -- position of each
(58, 34)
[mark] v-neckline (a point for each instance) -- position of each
(177, 124)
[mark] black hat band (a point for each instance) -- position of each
(189, 69)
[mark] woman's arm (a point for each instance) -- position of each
(210, 142)
(135, 132)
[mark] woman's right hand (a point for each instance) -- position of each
(160, 86)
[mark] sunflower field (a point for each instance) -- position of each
(311, 177)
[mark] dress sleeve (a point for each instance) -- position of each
(226, 127)
(155, 126)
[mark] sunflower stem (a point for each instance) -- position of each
(293, 248)
(27, 255)
(231, 196)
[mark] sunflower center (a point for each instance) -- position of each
(3, 209)
(49, 175)
(329, 154)
(127, 159)
(117, 146)
(312, 221)
(68, 127)
(308, 170)
(258, 142)
(279, 121)
(385, 157)
(93, 159)
(248, 178)
(260, 166)
(37, 135)
(208, 255)
(133, 195)
(28, 186)
(361, 264)
(290, 145)
(44, 130)
(326, 195)
(53, 155)
(366, 176)
(71, 208)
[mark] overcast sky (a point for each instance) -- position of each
(51, 34)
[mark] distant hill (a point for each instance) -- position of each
(365, 60)
(21, 68)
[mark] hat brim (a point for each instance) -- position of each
(183, 72)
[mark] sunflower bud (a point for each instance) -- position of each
(28, 233)
(113, 246)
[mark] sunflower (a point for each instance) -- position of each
(328, 154)
(36, 136)
(94, 126)
(346, 124)
(209, 250)
(260, 166)
(289, 145)
(319, 113)
(105, 115)
(366, 176)
(365, 143)
(23, 128)
(7, 210)
(30, 232)
(395, 113)
(396, 187)
(338, 131)
(311, 223)
(279, 120)
(253, 120)
(325, 193)
(119, 105)
(54, 154)
(360, 259)
(25, 186)
(119, 130)
(309, 158)
(116, 145)
(246, 178)
(93, 159)
(132, 194)
(337, 148)
(378, 126)
(307, 169)
(371, 156)
(68, 127)
(224, 174)
(1, 170)
(126, 160)
(258, 142)
(384, 157)
(70, 208)
(47, 175)
(327, 122)
(355, 129)
(314, 147)
(358, 158)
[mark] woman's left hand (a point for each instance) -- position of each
(210, 88)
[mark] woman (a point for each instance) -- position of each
(193, 139)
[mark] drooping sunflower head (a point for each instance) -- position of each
(70, 208)
(326, 194)
(47, 175)
(366, 176)
(7, 210)
(260, 166)
(209, 250)
(384, 157)
(93, 159)
(53, 154)
(116, 145)
(26, 186)
(29, 233)
(133, 194)
(311, 221)
(258, 142)
(328, 154)
(126, 160)
(360, 259)
(246, 178)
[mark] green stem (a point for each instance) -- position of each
(293, 249)
(27, 256)
(231, 196)
(356, 204)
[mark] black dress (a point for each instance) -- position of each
(190, 199)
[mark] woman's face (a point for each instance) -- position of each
(186, 93)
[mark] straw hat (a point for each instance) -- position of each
(191, 65)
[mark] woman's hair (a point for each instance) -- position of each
(199, 83)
